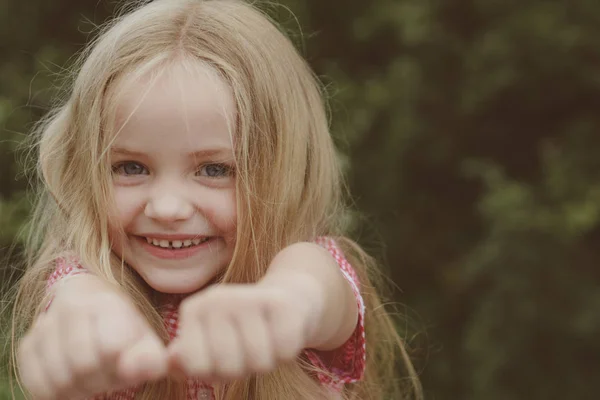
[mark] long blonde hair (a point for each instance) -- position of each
(289, 182)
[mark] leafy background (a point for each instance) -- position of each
(470, 129)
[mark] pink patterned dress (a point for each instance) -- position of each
(344, 365)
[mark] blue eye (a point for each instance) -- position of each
(129, 168)
(215, 170)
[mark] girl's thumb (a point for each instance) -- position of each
(146, 360)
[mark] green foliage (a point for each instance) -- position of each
(470, 131)
(6, 394)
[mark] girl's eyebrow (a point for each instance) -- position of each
(126, 152)
(211, 152)
(217, 151)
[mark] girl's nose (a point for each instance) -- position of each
(166, 207)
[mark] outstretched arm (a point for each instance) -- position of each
(308, 300)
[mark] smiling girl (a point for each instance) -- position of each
(188, 239)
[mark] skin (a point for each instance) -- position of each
(92, 339)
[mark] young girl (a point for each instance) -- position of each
(187, 242)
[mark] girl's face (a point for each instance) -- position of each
(174, 179)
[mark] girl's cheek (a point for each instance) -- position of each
(226, 214)
(128, 203)
(219, 207)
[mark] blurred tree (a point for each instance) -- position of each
(470, 132)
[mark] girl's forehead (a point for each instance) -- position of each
(184, 86)
(179, 97)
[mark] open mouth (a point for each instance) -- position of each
(177, 244)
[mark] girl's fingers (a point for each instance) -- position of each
(287, 333)
(256, 339)
(122, 334)
(227, 352)
(114, 335)
(37, 384)
(32, 371)
(146, 360)
(116, 331)
(51, 349)
(80, 345)
(189, 354)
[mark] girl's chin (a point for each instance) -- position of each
(175, 288)
(172, 281)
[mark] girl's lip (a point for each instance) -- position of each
(173, 254)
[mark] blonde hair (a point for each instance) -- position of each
(289, 182)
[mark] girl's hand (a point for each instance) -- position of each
(91, 340)
(229, 331)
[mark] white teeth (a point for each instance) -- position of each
(176, 244)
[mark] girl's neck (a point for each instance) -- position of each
(170, 299)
